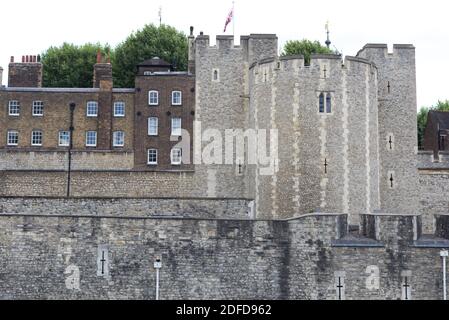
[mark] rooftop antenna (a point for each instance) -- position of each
(328, 41)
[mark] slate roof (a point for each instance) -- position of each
(155, 62)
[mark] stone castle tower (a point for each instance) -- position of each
(346, 128)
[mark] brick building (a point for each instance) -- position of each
(148, 120)
(436, 135)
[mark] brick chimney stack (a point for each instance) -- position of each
(102, 73)
(25, 74)
(103, 81)
(191, 62)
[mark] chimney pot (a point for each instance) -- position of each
(27, 59)
(12, 59)
(201, 33)
(38, 58)
(191, 30)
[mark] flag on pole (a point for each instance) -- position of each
(229, 19)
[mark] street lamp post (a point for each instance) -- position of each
(444, 254)
(157, 266)
(72, 110)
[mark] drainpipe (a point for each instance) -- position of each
(69, 173)
(157, 266)
(444, 254)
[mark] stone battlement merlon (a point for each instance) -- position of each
(427, 160)
(383, 48)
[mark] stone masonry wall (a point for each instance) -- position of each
(131, 207)
(433, 187)
(77, 256)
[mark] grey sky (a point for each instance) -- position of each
(43, 23)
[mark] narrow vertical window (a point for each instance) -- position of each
(176, 156)
(328, 103)
(215, 75)
(91, 139)
(152, 157)
(119, 109)
(64, 138)
(13, 138)
(321, 103)
(92, 109)
(176, 127)
(153, 126)
(36, 138)
(14, 108)
(38, 108)
(153, 98)
(119, 139)
(176, 98)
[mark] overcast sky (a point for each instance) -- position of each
(29, 27)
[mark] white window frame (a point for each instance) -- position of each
(37, 133)
(114, 139)
(119, 115)
(8, 136)
(90, 105)
(150, 98)
(152, 163)
(40, 105)
(155, 131)
(59, 138)
(14, 104)
(174, 131)
(176, 163)
(87, 139)
(173, 102)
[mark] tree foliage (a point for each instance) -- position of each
(164, 42)
(304, 47)
(70, 66)
(422, 118)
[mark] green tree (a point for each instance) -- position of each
(164, 42)
(304, 47)
(422, 118)
(70, 66)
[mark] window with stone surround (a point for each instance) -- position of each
(176, 127)
(92, 109)
(152, 157)
(153, 98)
(176, 98)
(64, 138)
(91, 138)
(321, 102)
(119, 109)
(153, 126)
(14, 108)
(119, 139)
(36, 138)
(328, 103)
(176, 156)
(38, 109)
(13, 138)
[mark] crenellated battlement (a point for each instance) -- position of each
(427, 160)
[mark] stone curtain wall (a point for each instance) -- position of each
(85, 257)
(193, 208)
(433, 187)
